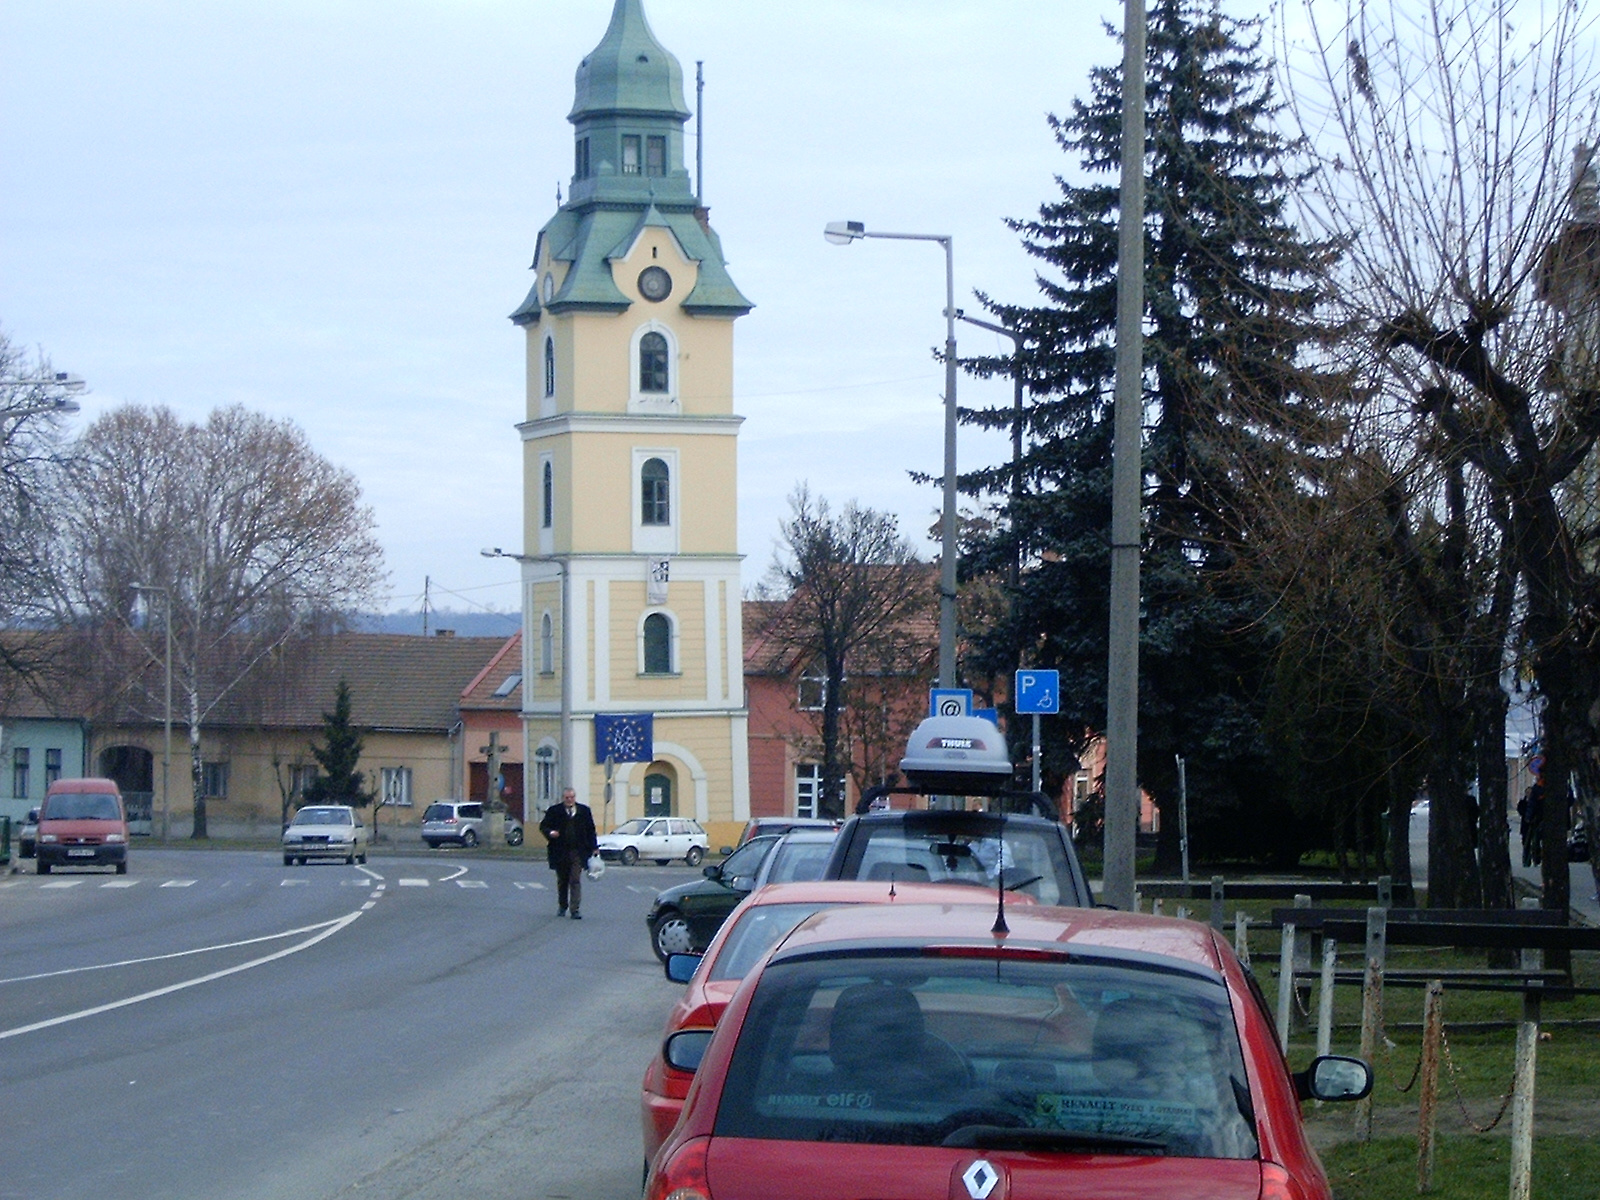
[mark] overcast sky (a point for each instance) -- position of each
(325, 210)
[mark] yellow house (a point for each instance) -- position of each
(631, 600)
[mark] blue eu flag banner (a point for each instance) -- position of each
(624, 737)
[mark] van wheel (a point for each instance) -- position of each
(288, 860)
(694, 856)
(122, 868)
(469, 839)
(41, 868)
(629, 855)
(362, 858)
(350, 860)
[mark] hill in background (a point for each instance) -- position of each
(463, 624)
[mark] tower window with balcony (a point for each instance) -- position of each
(653, 363)
(655, 493)
(655, 156)
(657, 645)
(549, 365)
(630, 154)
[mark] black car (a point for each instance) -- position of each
(684, 919)
(1016, 851)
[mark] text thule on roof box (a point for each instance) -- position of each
(959, 755)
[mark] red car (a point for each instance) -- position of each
(899, 1051)
(744, 939)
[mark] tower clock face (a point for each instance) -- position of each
(655, 284)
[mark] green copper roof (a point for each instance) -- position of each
(629, 71)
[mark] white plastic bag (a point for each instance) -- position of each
(596, 867)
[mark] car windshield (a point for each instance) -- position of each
(1047, 1056)
(1031, 856)
(81, 806)
(629, 828)
(439, 812)
(756, 932)
(798, 861)
(323, 816)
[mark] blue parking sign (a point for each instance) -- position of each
(1038, 692)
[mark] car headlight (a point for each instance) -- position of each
(115, 837)
(47, 837)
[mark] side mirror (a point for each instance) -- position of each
(714, 871)
(680, 968)
(684, 1049)
(1334, 1077)
(725, 851)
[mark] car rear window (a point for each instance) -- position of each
(1031, 857)
(799, 861)
(81, 806)
(1048, 1056)
(756, 932)
(439, 812)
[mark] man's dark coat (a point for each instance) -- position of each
(577, 834)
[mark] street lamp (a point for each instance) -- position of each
(566, 673)
(166, 723)
(53, 403)
(842, 233)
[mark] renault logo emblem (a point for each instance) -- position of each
(980, 1179)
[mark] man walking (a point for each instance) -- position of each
(569, 828)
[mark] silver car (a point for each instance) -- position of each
(325, 831)
(28, 834)
(459, 822)
(660, 838)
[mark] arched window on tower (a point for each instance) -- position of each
(653, 363)
(549, 366)
(547, 646)
(547, 511)
(657, 645)
(655, 493)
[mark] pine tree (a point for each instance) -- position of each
(338, 781)
(1232, 294)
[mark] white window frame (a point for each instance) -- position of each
(807, 779)
(656, 539)
(547, 644)
(396, 786)
(546, 764)
(653, 402)
(547, 517)
(674, 663)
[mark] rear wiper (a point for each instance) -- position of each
(1003, 1137)
(1022, 883)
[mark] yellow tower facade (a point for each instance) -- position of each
(631, 600)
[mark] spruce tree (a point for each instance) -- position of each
(338, 781)
(1231, 401)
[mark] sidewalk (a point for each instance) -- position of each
(1585, 907)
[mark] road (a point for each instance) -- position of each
(214, 1024)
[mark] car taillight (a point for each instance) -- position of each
(683, 1177)
(1278, 1184)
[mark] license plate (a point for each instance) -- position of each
(80, 853)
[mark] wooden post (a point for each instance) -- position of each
(1183, 912)
(1325, 1000)
(1285, 985)
(1216, 903)
(1302, 969)
(1371, 1006)
(1155, 907)
(1522, 1080)
(1428, 1084)
(1241, 937)
(1385, 892)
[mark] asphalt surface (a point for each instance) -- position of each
(1584, 903)
(215, 1024)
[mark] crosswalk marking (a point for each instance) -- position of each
(415, 882)
(294, 883)
(179, 883)
(62, 883)
(538, 887)
(471, 883)
(355, 882)
(119, 883)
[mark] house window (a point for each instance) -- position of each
(547, 646)
(300, 780)
(813, 692)
(655, 505)
(653, 363)
(214, 780)
(580, 161)
(544, 774)
(655, 155)
(549, 365)
(547, 507)
(657, 645)
(807, 788)
(397, 786)
(508, 685)
(630, 154)
(52, 766)
(19, 773)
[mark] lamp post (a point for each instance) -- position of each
(1017, 390)
(566, 642)
(166, 721)
(842, 233)
(54, 403)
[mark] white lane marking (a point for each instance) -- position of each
(414, 882)
(134, 962)
(471, 883)
(62, 883)
(332, 928)
(538, 887)
(365, 871)
(642, 890)
(11, 883)
(119, 883)
(178, 883)
(370, 904)
(456, 874)
(355, 883)
(294, 883)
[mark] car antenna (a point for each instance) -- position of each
(1000, 927)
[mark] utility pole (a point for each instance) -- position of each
(1122, 668)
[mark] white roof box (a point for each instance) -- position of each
(957, 756)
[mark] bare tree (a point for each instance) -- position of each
(1443, 130)
(858, 599)
(255, 539)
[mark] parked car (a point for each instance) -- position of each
(459, 822)
(756, 826)
(28, 834)
(82, 823)
(754, 928)
(800, 854)
(1080, 1052)
(685, 918)
(660, 838)
(325, 831)
(514, 834)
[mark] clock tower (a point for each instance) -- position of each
(630, 577)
